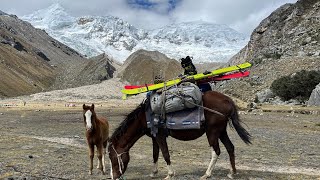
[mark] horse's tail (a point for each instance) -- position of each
(236, 123)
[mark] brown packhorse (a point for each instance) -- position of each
(135, 126)
(97, 133)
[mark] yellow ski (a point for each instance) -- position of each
(192, 77)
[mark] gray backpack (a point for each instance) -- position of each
(176, 98)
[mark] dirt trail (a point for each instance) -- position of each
(49, 144)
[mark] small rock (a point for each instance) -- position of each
(301, 54)
(314, 42)
(308, 39)
(26, 147)
(317, 53)
(46, 150)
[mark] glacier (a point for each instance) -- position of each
(93, 35)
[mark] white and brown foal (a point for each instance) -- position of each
(97, 133)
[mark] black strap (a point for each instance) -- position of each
(240, 69)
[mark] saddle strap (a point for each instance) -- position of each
(163, 101)
(208, 109)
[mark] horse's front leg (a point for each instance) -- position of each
(91, 155)
(155, 157)
(101, 158)
(162, 142)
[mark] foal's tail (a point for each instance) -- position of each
(236, 123)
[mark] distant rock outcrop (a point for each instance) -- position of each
(99, 68)
(142, 66)
(31, 61)
(290, 31)
(314, 99)
(2, 13)
(286, 42)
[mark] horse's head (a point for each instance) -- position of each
(119, 160)
(89, 115)
(124, 136)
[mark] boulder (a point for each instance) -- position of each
(314, 99)
(264, 96)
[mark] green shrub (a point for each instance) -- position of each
(298, 86)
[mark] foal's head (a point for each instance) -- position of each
(89, 117)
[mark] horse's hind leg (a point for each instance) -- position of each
(230, 148)
(214, 143)
(162, 142)
(155, 157)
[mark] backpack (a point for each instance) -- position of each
(176, 98)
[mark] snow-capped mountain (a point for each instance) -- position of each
(93, 35)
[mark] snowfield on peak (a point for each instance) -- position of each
(93, 35)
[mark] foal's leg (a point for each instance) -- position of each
(155, 157)
(214, 142)
(104, 155)
(100, 154)
(98, 164)
(230, 148)
(91, 155)
(162, 142)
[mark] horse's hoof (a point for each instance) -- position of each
(230, 176)
(90, 173)
(204, 177)
(168, 177)
(153, 174)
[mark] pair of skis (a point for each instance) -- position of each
(226, 73)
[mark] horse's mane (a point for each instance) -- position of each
(131, 117)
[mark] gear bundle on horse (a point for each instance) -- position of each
(97, 134)
(218, 111)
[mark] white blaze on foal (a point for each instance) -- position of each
(88, 115)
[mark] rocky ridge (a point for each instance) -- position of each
(31, 61)
(284, 43)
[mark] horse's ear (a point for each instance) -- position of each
(92, 106)
(83, 106)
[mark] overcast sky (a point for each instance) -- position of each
(242, 15)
